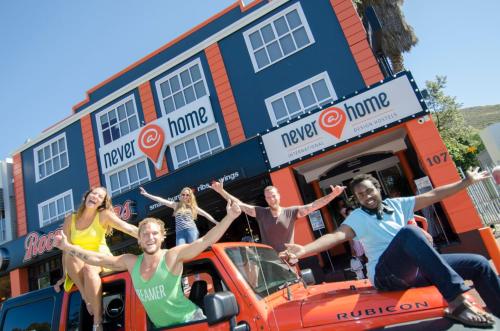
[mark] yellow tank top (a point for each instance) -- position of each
(92, 238)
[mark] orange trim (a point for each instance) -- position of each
(17, 170)
(19, 281)
(164, 47)
(355, 34)
(428, 146)
(89, 150)
(149, 110)
(225, 94)
(405, 165)
(491, 246)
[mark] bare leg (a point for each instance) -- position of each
(74, 268)
(93, 290)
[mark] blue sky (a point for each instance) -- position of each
(52, 52)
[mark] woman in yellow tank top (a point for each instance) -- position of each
(87, 228)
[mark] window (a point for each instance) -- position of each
(181, 87)
(36, 315)
(305, 96)
(197, 147)
(51, 157)
(278, 37)
(128, 177)
(118, 120)
(56, 208)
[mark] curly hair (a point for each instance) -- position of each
(360, 178)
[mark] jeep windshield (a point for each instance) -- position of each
(262, 269)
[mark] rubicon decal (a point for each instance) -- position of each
(332, 120)
(151, 140)
(376, 108)
(383, 310)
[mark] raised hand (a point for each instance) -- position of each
(217, 186)
(60, 240)
(233, 209)
(292, 253)
(142, 190)
(337, 190)
(474, 175)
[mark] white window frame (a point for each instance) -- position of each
(173, 154)
(308, 82)
(258, 27)
(114, 106)
(59, 214)
(41, 147)
(177, 73)
(128, 165)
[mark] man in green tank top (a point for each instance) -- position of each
(156, 274)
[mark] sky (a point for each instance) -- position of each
(53, 51)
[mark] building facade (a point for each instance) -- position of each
(280, 92)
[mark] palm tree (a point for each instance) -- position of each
(397, 35)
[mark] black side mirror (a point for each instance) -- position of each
(220, 306)
(308, 276)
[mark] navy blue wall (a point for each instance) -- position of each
(330, 53)
(74, 177)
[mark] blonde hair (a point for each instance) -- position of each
(148, 220)
(105, 205)
(270, 188)
(182, 207)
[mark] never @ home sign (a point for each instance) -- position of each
(386, 104)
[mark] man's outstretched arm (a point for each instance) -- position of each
(117, 263)
(321, 202)
(218, 187)
(442, 192)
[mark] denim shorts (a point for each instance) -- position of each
(186, 236)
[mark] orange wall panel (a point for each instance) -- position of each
(19, 281)
(22, 227)
(89, 150)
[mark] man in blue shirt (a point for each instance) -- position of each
(402, 256)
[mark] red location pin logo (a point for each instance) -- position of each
(332, 120)
(151, 140)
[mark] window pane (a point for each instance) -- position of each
(40, 156)
(274, 51)
(130, 107)
(189, 94)
(165, 89)
(185, 79)
(200, 89)
(300, 37)
(267, 33)
(179, 100)
(281, 26)
(55, 148)
(122, 176)
(287, 44)
(190, 148)
(195, 73)
(41, 170)
(112, 117)
(104, 121)
(48, 167)
(56, 164)
(115, 132)
(141, 169)
(292, 103)
(124, 128)
(46, 152)
(133, 123)
(114, 182)
(106, 135)
(132, 174)
(64, 160)
(121, 112)
(174, 84)
(52, 209)
(255, 40)
(168, 103)
(45, 212)
(279, 109)
(321, 90)
(67, 203)
(261, 58)
(180, 152)
(62, 145)
(293, 19)
(307, 96)
(202, 143)
(213, 138)
(60, 206)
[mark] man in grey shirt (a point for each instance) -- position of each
(276, 223)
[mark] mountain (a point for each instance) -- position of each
(480, 117)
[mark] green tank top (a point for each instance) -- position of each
(162, 295)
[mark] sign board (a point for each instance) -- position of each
(316, 220)
(152, 139)
(423, 185)
(377, 108)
